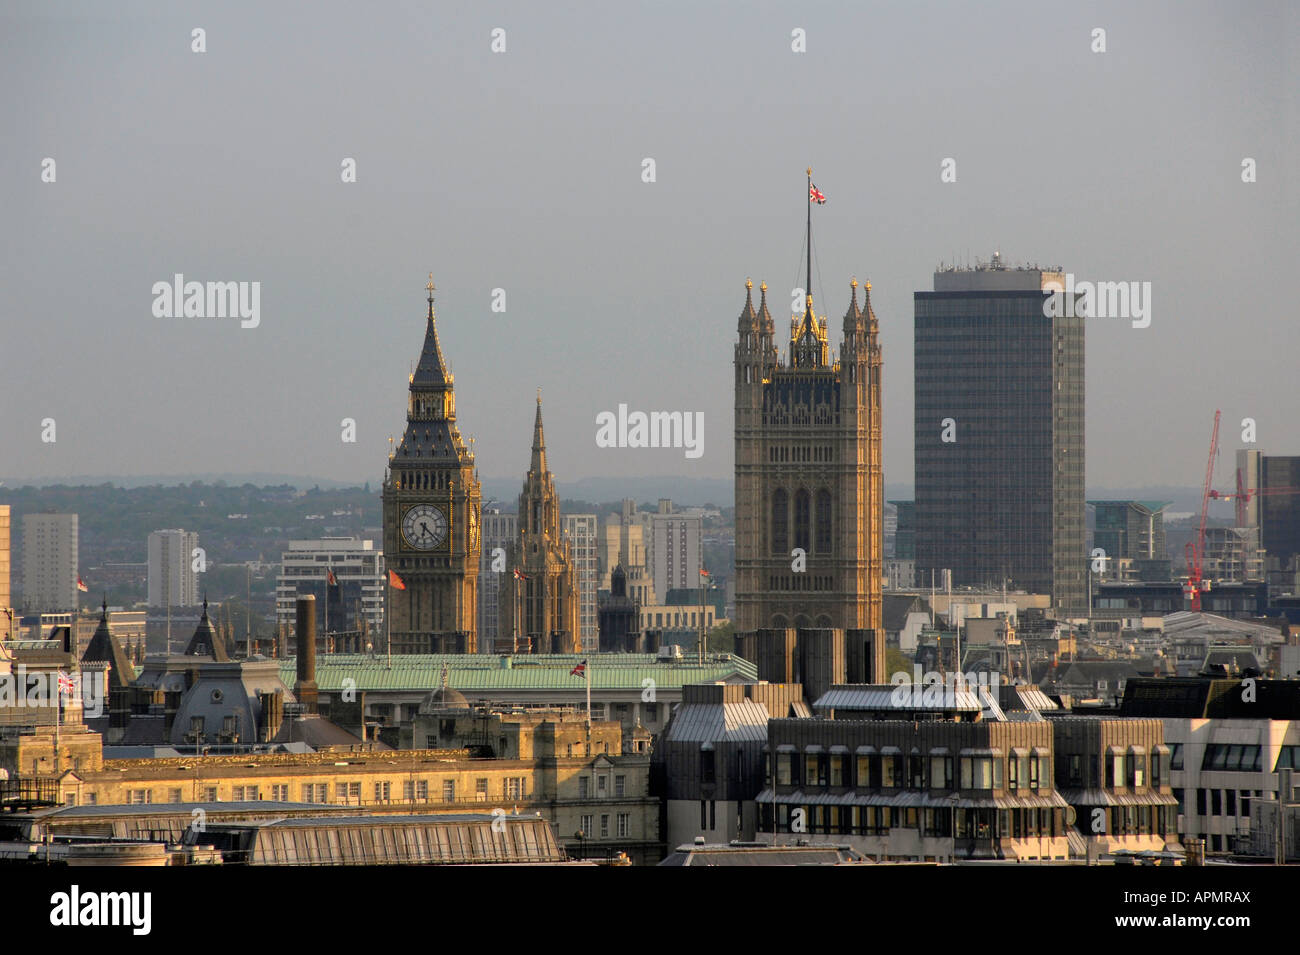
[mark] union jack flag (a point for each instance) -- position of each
(65, 683)
(815, 195)
(579, 670)
(520, 575)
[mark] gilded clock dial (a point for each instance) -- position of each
(424, 527)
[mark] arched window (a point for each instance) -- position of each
(802, 518)
(780, 522)
(823, 521)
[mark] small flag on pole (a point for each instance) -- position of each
(396, 582)
(81, 585)
(815, 195)
(579, 670)
(520, 575)
(330, 578)
(65, 683)
(704, 573)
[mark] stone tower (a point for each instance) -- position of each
(431, 502)
(539, 602)
(808, 471)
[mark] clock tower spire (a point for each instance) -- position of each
(431, 501)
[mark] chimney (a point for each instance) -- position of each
(305, 688)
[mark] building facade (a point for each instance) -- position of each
(346, 576)
(173, 580)
(809, 491)
(499, 532)
(50, 555)
(580, 532)
(674, 548)
(431, 509)
(999, 439)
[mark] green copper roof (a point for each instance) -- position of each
(484, 672)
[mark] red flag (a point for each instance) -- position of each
(579, 670)
(815, 195)
(81, 585)
(520, 575)
(704, 573)
(330, 578)
(395, 581)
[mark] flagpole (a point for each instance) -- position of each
(586, 671)
(808, 290)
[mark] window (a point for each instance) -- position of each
(280, 792)
(209, 794)
(602, 785)
(422, 790)
(1176, 756)
(449, 790)
(823, 522)
(780, 522)
(481, 789)
(624, 824)
(916, 772)
(174, 796)
(1136, 769)
(837, 769)
(864, 772)
(139, 797)
(604, 826)
(784, 769)
(1200, 802)
(620, 786)
(383, 792)
(1076, 770)
(802, 508)
(584, 787)
(514, 787)
(587, 826)
(889, 778)
(247, 793)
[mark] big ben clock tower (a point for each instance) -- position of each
(431, 517)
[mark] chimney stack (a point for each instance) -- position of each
(305, 688)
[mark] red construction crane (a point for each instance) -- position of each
(1196, 547)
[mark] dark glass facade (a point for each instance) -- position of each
(1003, 500)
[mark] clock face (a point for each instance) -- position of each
(424, 527)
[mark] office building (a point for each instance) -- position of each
(50, 555)
(674, 548)
(346, 576)
(173, 578)
(580, 531)
(999, 433)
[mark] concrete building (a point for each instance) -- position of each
(173, 580)
(580, 532)
(499, 532)
(623, 545)
(7, 608)
(999, 433)
(674, 548)
(50, 558)
(346, 576)
(1229, 740)
(709, 763)
(1131, 535)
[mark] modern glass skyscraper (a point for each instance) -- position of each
(999, 433)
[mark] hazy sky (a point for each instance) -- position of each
(522, 170)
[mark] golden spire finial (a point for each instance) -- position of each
(749, 283)
(810, 170)
(867, 286)
(854, 283)
(430, 286)
(763, 287)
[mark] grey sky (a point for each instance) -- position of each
(522, 171)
